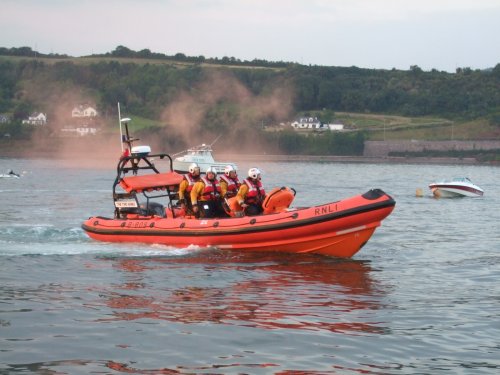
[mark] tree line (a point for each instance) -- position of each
(122, 51)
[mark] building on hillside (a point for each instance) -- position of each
(37, 119)
(84, 111)
(307, 123)
(4, 119)
(313, 124)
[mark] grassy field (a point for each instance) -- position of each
(386, 127)
(125, 60)
(383, 127)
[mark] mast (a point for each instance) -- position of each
(125, 138)
(120, 125)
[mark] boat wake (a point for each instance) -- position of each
(157, 250)
(46, 239)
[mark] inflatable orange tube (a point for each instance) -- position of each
(339, 228)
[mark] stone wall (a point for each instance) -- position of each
(382, 148)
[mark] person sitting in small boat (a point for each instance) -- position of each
(229, 182)
(206, 196)
(186, 186)
(12, 174)
(251, 193)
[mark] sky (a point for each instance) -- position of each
(375, 34)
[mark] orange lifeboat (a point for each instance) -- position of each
(339, 228)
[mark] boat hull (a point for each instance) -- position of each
(453, 191)
(336, 229)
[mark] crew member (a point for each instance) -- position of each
(229, 182)
(251, 193)
(206, 196)
(186, 186)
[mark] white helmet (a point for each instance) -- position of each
(193, 167)
(213, 170)
(254, 173)
(228, 169)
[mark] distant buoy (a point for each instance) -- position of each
(419, 193)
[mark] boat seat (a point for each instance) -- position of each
(151, 182)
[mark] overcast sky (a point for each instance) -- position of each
(380, 34)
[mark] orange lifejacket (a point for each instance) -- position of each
(191, 180)
(232, 186)
(211, 192)
(256, 192)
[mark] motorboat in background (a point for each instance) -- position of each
(202, 155)
(458, 187)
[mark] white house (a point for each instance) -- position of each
(83, 112)
(4, 119)
(36, 119)
(307, 123)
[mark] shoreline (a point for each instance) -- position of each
(78, 155)
(354, 159)
(85, 152)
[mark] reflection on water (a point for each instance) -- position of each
(303, 293)
(124, 368)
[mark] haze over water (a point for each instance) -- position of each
(422, 297)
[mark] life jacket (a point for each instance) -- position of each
(191, 180)
(232, 185)
(256, 192)
(211, 192)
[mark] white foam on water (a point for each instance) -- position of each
(77, 243)
(160, 250)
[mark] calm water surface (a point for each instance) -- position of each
(422, 297)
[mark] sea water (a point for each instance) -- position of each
(422, 297)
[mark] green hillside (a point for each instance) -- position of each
(186, 100)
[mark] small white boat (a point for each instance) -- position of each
(458, 187)
(9, 174)
(203, 156)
